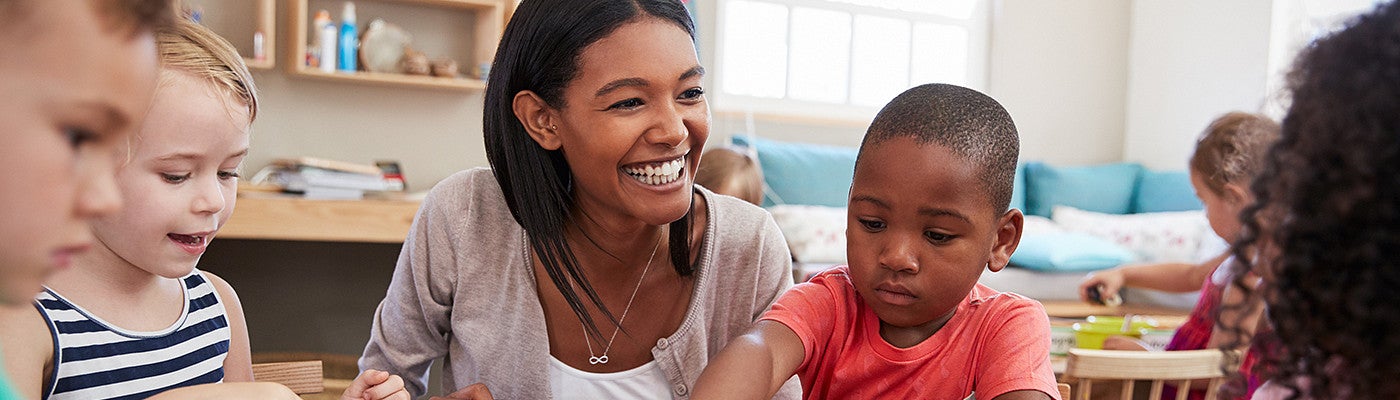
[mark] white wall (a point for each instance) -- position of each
(1060, 68)
(1190, 61)
(1085, 80)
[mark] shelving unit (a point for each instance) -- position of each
(231, 20)
(485, 18)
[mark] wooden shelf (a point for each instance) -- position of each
(270, 216)
(487, 18)
(227, 18)
(376, 78)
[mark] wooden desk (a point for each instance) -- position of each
(272, 216)
(1079, 309)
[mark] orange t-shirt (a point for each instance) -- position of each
(995, 343)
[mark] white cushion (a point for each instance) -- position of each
(1154, 237)
(815, 234)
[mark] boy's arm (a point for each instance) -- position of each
(26, 347)
(1167, 277)
(753, 365)
(1024, 395)
(238, 364)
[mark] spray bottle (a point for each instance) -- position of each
(349, 39)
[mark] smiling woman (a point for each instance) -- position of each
(550, 263)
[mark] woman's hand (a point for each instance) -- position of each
(476, 391)
(376, 385)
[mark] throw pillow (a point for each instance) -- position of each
(803, 173)
(1068, 252)
(1160, 191)
(1153, 237)
(1106, 188)
(815, 234)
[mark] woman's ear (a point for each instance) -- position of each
(538, 118)
(1009, 228)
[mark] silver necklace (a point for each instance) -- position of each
(603, 359)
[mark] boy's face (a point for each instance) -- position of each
(920, 231)
(181, 182)
(72, 88)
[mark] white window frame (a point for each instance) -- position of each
(979, 43)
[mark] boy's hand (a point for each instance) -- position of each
(1106, 282)
(476, 391)
(376, 385)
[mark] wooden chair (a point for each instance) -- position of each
(1064, 390)
(1085, 365)
(303, 377)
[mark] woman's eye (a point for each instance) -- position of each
(626, 104)
(693, 94)
(226, 175)
(872, 225)
(78, 136)
(937, 237)
(172, 178)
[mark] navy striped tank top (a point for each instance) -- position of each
(95, 360)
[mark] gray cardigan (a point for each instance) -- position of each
(464, 288)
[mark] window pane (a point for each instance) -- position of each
(960, 9)
(755, 49)
(940, 54)
(821, 57)
(880, 60)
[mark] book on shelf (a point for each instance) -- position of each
(326, 179)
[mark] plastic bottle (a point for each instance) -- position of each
(349, 39)
(325, 41)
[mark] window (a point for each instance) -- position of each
(843, 58)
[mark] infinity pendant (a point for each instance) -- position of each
(598, 360)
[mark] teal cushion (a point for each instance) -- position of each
(1164, 191)
(1105, 188)
(1018, 189)
(1068, 251)
(802, 173)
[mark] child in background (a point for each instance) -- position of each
(907, 319)
(1228, 155)
(76, 78)
(731, 171)
(134, 317)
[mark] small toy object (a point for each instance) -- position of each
(414, 62)
(446, 68)
(1096, 296)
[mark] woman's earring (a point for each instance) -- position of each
(553, 128)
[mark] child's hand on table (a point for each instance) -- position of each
(376, 385)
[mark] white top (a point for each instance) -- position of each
(641, 383)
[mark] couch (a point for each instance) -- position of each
(1078, 218)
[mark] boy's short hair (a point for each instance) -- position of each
(191, 48)
(967, 122)
(129, 15)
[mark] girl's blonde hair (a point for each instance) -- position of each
(189, 47)
(1231, 150)
(722, 167)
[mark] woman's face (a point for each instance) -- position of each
(634, 123)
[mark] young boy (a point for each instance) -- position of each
(907, 319)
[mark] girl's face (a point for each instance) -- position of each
(73, 90)
(634, 123)
(180, 183)
(1222, 209)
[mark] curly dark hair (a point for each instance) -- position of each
(1327, 219)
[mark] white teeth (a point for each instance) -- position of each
(663, 173)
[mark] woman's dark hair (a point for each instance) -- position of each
(539, 52)
(1328, 219)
